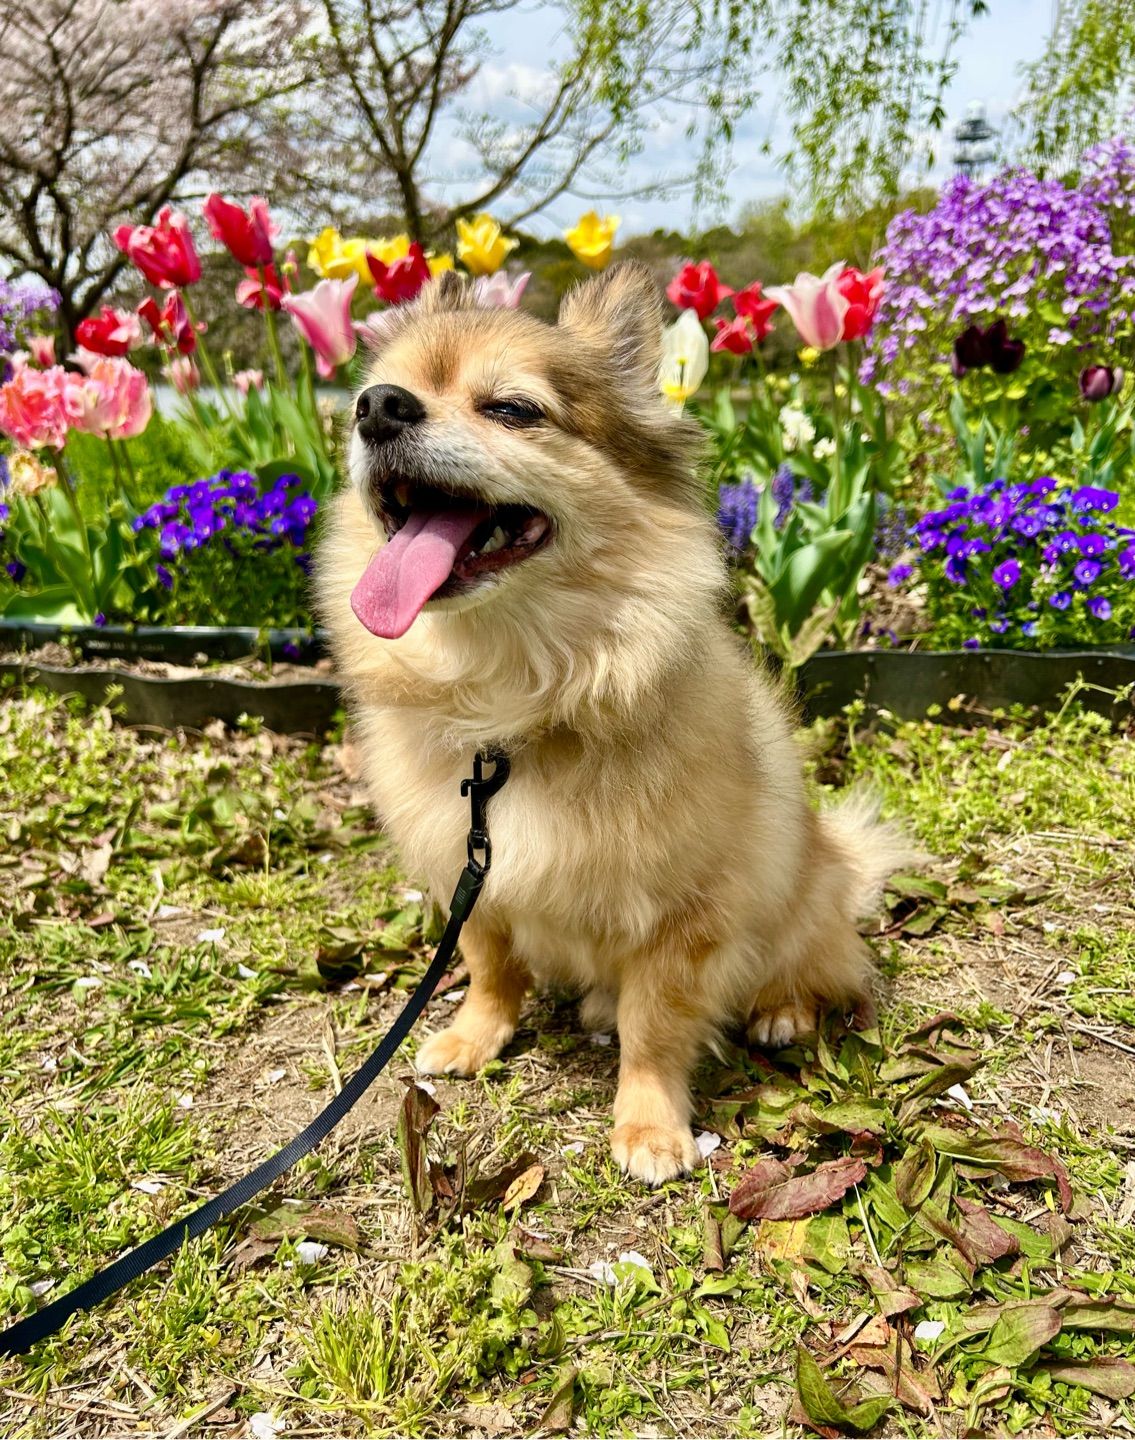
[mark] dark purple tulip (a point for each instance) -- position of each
(1097, 382)
(976, 348)
(1005, 355)
(971, 350)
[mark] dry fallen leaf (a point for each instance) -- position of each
(523, 1188)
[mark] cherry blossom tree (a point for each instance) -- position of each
(113, 108)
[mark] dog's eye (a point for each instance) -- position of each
(512, 412)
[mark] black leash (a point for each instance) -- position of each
(23, 1335)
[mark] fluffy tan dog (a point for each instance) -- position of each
(524, 558)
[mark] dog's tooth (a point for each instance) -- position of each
(495, 542)
(402, 494)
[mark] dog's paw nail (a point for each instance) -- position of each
(654, 1153)
(780, 1027)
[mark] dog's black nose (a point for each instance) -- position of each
(384, 411)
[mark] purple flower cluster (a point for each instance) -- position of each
(19, 301)
(1108, 175)
(737, 513)
(229, 504)
(1030, 560)
(738, 505)
(1009, 247)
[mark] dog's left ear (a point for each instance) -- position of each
(620, 311)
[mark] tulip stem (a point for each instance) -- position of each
(270, 326)
(835, 492)
(210, 369)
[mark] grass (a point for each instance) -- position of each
(200, 935)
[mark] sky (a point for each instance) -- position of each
(515, 74)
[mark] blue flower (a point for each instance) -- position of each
(999, 626)
(1006, 575)
(956, 569)
(1061, 600)
(973, 643)
(1099, 606)
(16, 570)
(898, 573)
(737, 513)
(165, 579)
(1086, 572)
(1091, 497)
(1092, 545)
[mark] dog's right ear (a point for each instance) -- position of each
(447, 291)
(619, 311)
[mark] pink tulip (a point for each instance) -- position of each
(323, 318)
(246, 380)
(112, 399)
(182, 374)
(816, 305)
(498, 292)
(32, 409)
(42, 349)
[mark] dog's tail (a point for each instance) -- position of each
(872, 849)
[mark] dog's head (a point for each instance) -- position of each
(497, 456)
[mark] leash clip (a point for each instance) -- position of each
(480, 789)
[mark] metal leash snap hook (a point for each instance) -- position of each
(480, 789)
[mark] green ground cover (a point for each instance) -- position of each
(200, 935)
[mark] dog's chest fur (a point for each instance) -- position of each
(592, 851)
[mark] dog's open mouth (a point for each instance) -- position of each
(439, 544)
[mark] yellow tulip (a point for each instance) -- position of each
(438, 263)
(481, 245)
(334, 258)
(592, 238)
(390, 250)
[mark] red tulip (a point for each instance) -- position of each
(733, 335)
(863, 294)
(696, 287)
(110, 332)
(750, 305)
(250, 291)
(247, 236)
(402, 279)
(170, 324)
(163, 252)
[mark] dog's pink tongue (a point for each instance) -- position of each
(408, 569)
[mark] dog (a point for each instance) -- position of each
(524, 558)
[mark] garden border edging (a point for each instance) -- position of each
(906, 683)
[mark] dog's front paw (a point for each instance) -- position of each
(783, 1024)
(456, 1052)
(654, 1152)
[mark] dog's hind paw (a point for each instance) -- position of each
(783, 1024)
(455, 1052)
(654, 1153)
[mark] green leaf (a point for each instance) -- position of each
(914, 1174)
(1019, 1333)
(1105, 1375)
(821, 1405)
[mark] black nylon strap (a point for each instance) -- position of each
(18, 1338)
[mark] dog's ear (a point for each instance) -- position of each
(619, 311)
(447, 291)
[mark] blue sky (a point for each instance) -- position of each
(989, 57)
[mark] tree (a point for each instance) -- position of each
(398, 71)
(114, 108)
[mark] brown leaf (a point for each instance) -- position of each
(485, 1189)
(770, 1190)
(308, 1222)
(560, 1413)
(985, 1238)
(891, 1297)
(917, 1391)
(535, 1247)
(1103, 1375)
(95, 863)
(713, 1252)
(1004, 1151)
(523, 1188)
(414, 1120)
